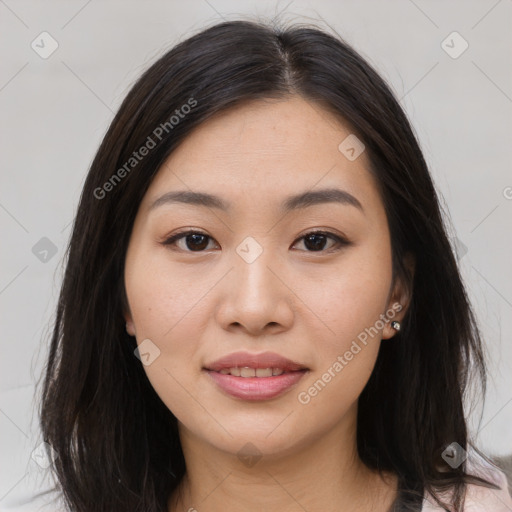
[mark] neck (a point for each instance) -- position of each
(322, 474)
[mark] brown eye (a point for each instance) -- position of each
(194, 241)
(316, 241)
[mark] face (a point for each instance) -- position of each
(253, 277)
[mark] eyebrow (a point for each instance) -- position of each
(295, 202)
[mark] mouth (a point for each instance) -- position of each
(248, 372)
(255, 376)
(251, 387)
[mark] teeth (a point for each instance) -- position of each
(251, 372)
(264, 372)
(247, 372)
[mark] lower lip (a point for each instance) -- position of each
(256, 388)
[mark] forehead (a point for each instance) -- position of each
(266, 150)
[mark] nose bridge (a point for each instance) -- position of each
(253, 277)
(255, 296)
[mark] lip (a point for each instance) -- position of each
(255, 388)
(263, 360)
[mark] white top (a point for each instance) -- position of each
(478, 498)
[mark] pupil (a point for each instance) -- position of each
(318, 245)
(197, 238)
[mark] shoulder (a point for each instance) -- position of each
(479, 498)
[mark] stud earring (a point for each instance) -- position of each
(396, 325)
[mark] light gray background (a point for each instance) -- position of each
(56, 110)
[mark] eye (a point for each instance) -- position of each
(314, 241)
(195, 241)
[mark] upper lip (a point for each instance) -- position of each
(263, 360)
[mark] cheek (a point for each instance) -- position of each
(161, 296)
(349, 305)
(352, 297)
(167, 306)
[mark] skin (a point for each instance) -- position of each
(303, 304)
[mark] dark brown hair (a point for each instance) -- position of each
(117, 443)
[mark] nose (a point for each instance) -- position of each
(255, 297)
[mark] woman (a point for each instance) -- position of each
(261, 309)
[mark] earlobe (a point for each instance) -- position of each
(400, 298)
(392, 325)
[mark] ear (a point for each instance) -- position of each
(400, 297)
(130, 326)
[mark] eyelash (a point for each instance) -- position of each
(341, 242)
